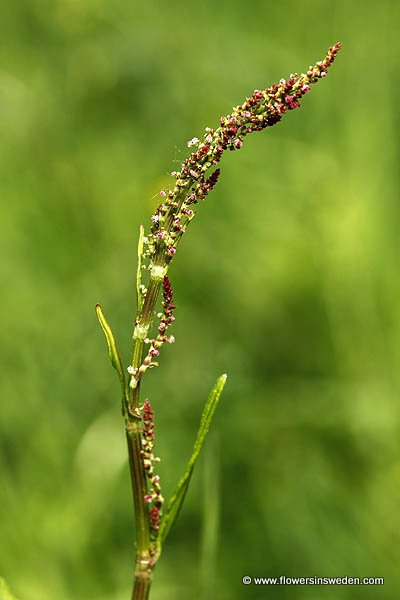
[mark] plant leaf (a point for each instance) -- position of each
(112, 348)
(5, 593)
(139, 295)
(175, 503)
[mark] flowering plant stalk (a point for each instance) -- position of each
(192, 183)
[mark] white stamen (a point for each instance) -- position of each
(193, 142)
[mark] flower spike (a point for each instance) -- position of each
(264, 108)
(153, 497)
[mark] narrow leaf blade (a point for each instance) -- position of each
(176, 501)
(112, 348)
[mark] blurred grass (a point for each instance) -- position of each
(288, 281)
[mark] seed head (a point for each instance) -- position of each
(264, 108)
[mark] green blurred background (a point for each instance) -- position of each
(288, 281)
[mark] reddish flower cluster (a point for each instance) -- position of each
(264, 108)
(153, 496)
(154, 521)
(166, 319)
(168, 306)
(148, 422)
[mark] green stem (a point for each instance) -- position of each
(142, 581)
(143, 323)
(144, 562)
(142, 584)
(139, 489)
